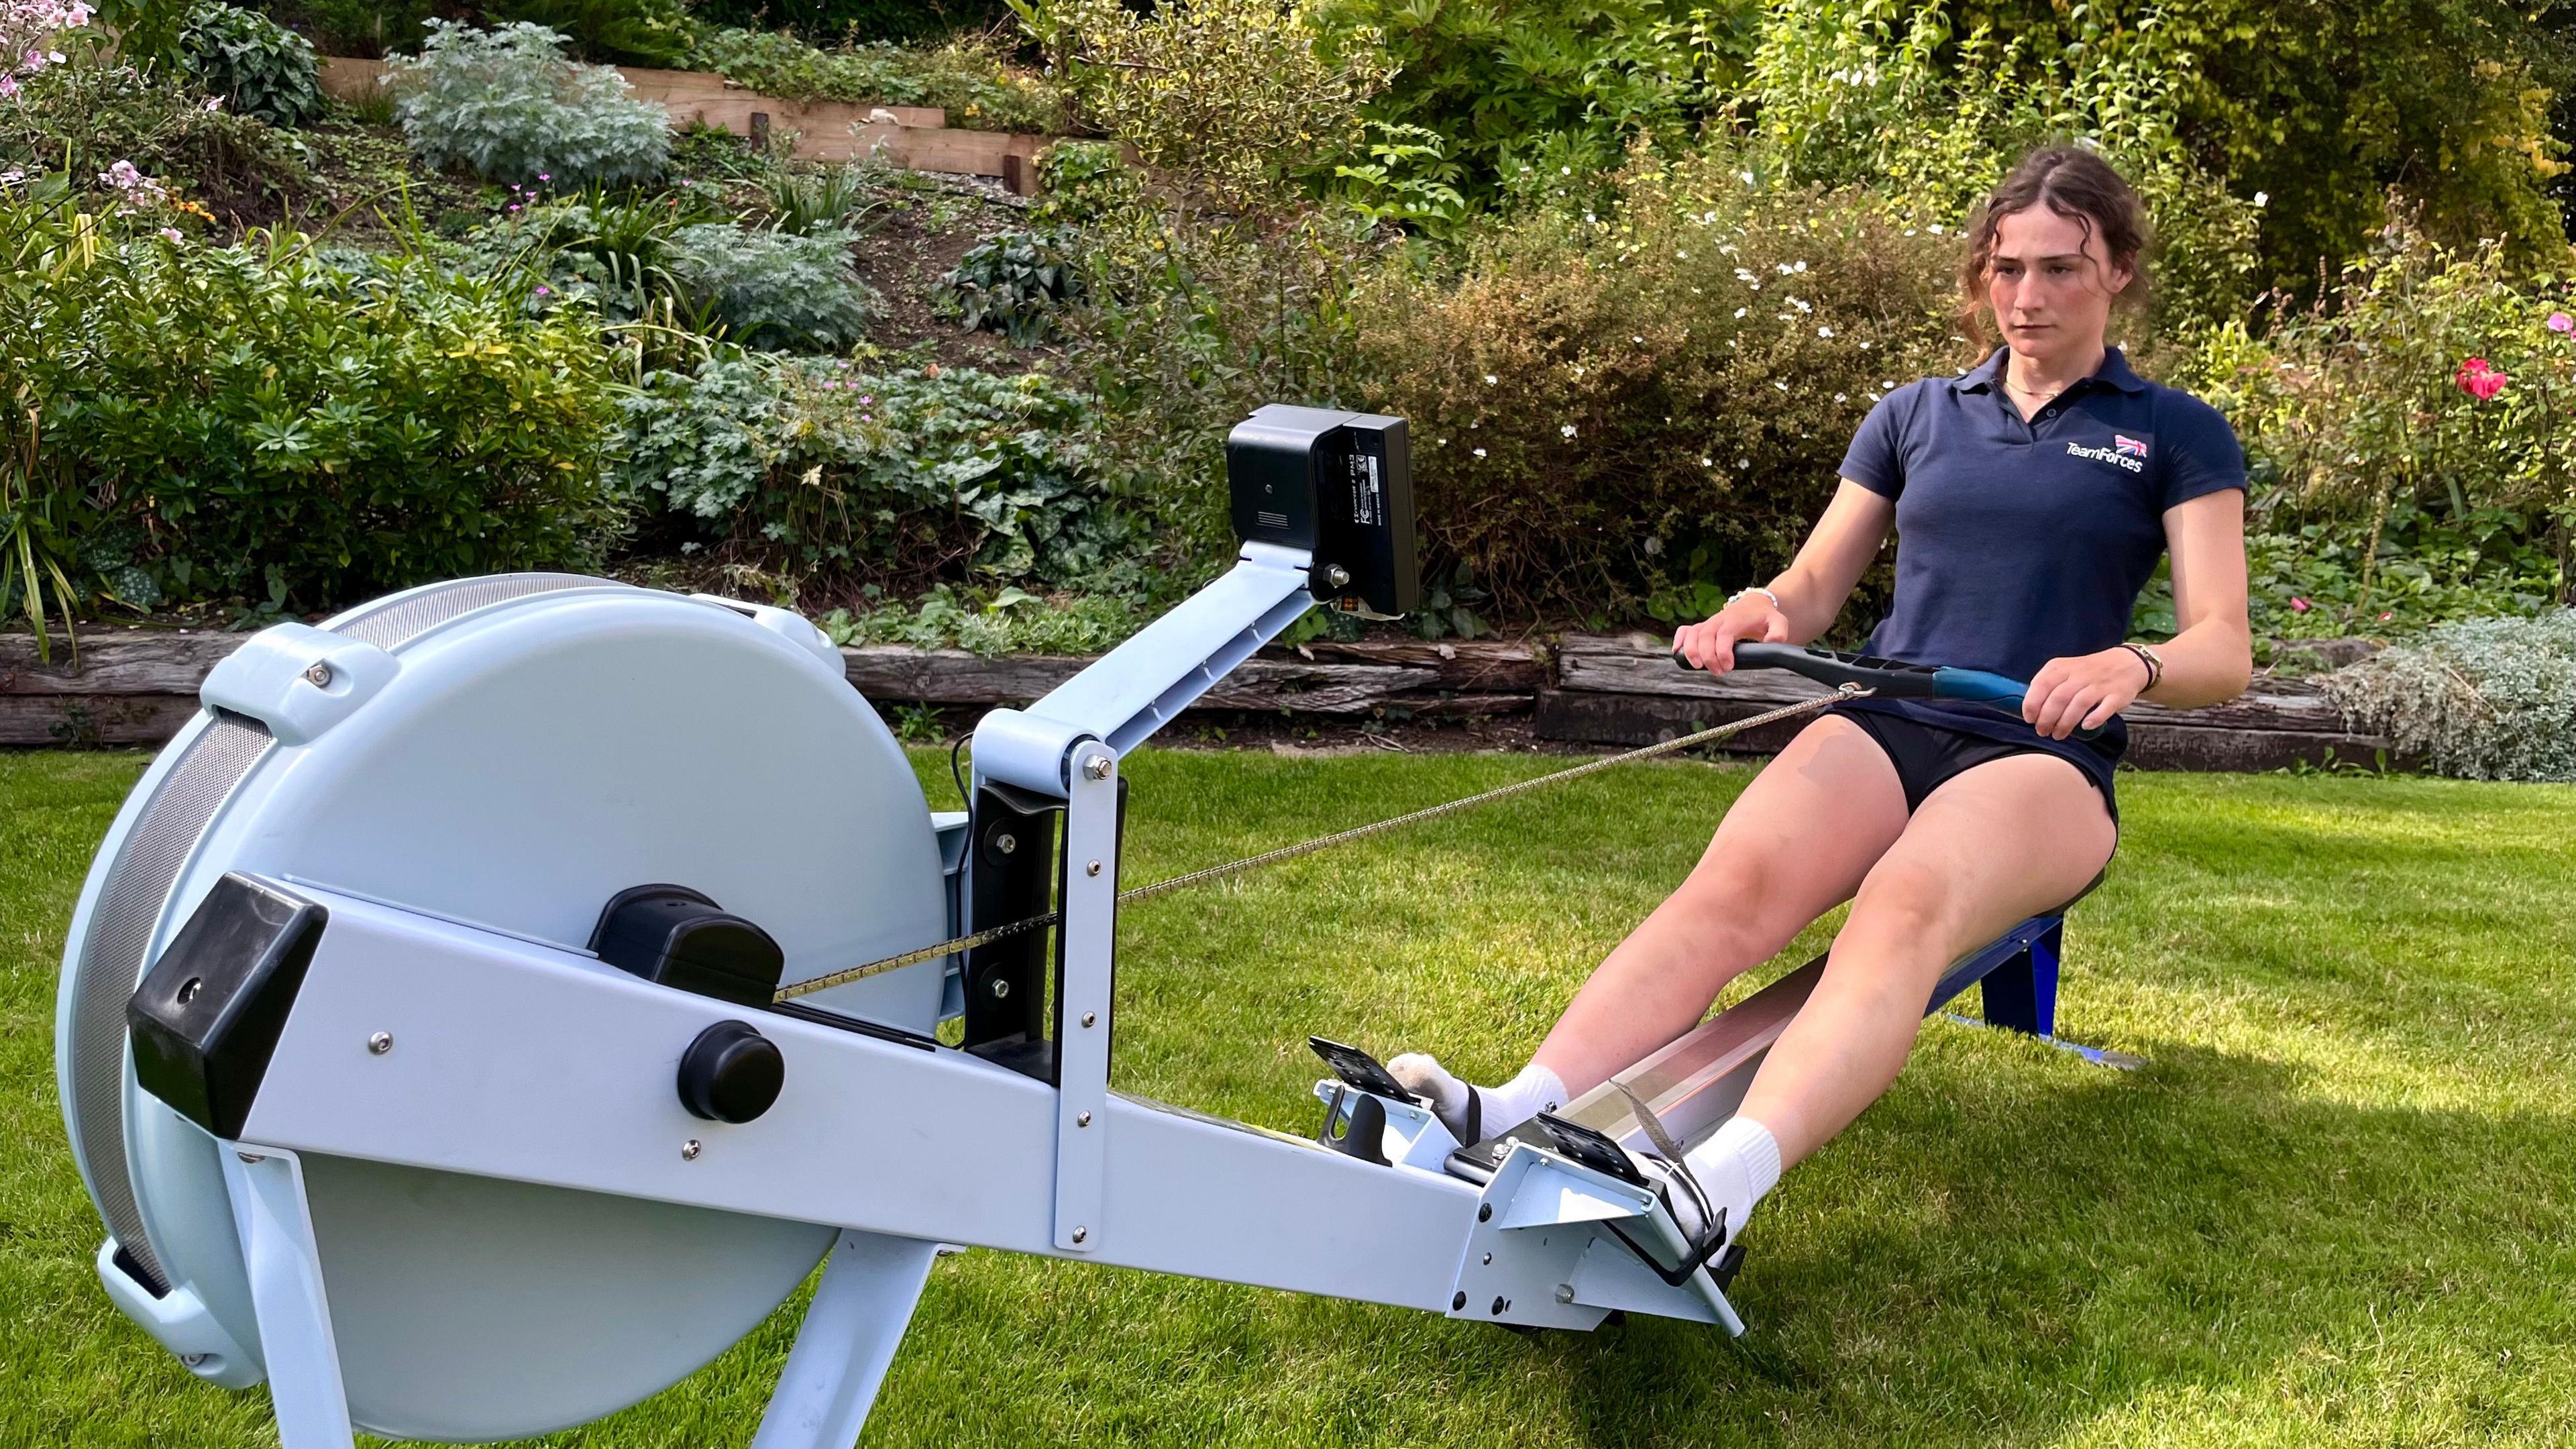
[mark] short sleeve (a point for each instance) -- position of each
(2202, 455)
(1874, 460)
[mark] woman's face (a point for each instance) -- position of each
(2051, 285)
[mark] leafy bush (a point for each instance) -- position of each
(369, 29)
(1012, 621)
(2363, 413)
(841, 472)
(250, 420)
(2486, 699)
(968, 77)
(613, 32)
(1650, 401)
(835, 198)
(82, 120)
(1247, 96)
(773, 289)
(1499, 88)
(506, 105)
(259, 67)
(1014, 284)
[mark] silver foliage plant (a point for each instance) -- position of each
(772, 289)
(2485, 699)
(506, 105)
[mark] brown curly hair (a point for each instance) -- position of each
(2075, 184)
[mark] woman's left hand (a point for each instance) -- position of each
(2083, 691)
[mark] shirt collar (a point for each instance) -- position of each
(2113, 373)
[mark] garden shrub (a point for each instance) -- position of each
(917, 473)
(259, 67)
(774, 289)
(506, 105)
(1648, 404)
(2426, 393)
(251, 421)
(860, 20)
(82, 120)
(2484, 699)
(367, 29)
(1247, 97)
(1011, 621)
(611, 32)
(1015, 284)
(969, 77)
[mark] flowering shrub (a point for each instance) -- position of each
(837, 471)
(2426, 382)
(506, 105)
(258, 67)
(81, 120)
(32, 37)
(252, 421)
(1650, 401)
(2486, 699)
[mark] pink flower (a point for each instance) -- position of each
(171, 232)
(2384, 618)
(2479, 379)
(2561, 322)
(214, 103)
(545, 291)
(545, 176)
(2299, 605)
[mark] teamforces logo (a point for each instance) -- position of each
(2124, 452)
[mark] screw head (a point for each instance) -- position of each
(250, 1157)
(1336, 575)
(1489, 1260)
(381, 1043)
(1564, 1292)
(1097, 767)
(188, 989)
(1089, 1017)
(1082, 1119)
(1092, 869)
(1001, 988)
(689, 1150)
(318, 674)
(1081, 1235)
(1006, 843)
(1484, 1212)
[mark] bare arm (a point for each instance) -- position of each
(2210, 658)
(1814, 587)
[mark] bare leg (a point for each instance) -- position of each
(1795, 845)
(1993, 846)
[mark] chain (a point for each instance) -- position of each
(1322, 842)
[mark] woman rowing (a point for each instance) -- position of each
(2032, 497)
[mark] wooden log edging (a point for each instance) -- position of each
(1625, 690)
(136, 687)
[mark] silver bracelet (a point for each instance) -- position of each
(1756, 589)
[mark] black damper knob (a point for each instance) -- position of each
(731, 1073)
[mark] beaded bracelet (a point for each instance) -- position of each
(1757, 589)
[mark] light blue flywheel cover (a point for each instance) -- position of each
(548, 741)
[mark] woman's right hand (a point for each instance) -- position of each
(1710, 644)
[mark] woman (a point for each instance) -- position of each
(2032, 497)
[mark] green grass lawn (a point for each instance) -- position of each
(2335, 1208)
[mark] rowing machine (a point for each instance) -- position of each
(434, 1037)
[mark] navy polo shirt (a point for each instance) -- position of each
(2021, 541)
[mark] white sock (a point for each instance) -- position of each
(1505, 1107)
(1735, 1168)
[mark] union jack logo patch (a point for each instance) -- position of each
(2134, 447)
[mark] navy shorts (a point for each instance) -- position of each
(1927, 756)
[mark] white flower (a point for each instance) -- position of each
(1742, 275)
(1864, 346)
(1565, 171)
(1490, 379)
(1744, 176)
(1653, 546)
(1444, 442)
(1566, 428)
(1707, 463)
(1784, 269)
(1888, 385)
(2262, 199)
(1838, 397)
(214, 103)
(1480, 452)
(1936, 228)
(1802, 266)
(172, 233)
(1824, 332)
(1640, 341)
(1681, 256)
(1578, 372)
(1743, 462)
(1775, 382)
(1739, 311)
(1801, 306)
